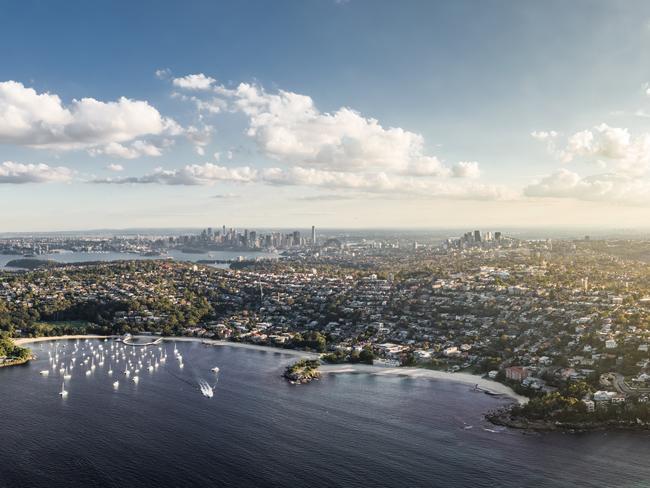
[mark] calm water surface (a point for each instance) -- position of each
(84, 257)
(257, 430)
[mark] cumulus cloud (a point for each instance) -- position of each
(288, 127)
(132, 151)
(466, 169)
(626, 157)
(200, 137)
(340, 150)
(189, 175)
(606, 146)
(606, 187)
(115, 167)
(194, 82)
(18, 173)
(42, 120)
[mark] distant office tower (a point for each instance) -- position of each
(296, 238)
(313, 235)
(477, 236)
(497, 236)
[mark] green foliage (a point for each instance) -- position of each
(10, 350)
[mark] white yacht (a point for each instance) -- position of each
(63, 391)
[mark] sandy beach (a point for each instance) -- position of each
(465, 378)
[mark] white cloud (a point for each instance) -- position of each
(543, 135)
(288, 127)
(194, 82)
(115, 167)
(342, 150)
(200, 137)
(213, 105)
(376, 183)
(383, 183)
(19, 173)
(163, 73)
(42, 120)
(134, 150)
(466, 169)
(607, 187)
(190, 175)
(605, 145)
(646, 88)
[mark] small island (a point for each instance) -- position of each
(303, 371)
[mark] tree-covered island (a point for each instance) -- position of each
(302, 371)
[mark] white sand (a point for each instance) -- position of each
(464, 378)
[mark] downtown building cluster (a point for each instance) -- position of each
(245, 239)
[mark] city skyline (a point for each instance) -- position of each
(342, 118)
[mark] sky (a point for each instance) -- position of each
(334, 113)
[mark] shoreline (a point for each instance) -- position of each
(18, 362)
(208, 342)
(414, 372)
(345, 368)
(245, 345)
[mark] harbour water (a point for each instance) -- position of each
(258, 430)
(84, 257)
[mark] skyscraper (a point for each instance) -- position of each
(313, 235)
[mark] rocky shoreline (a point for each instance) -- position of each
(506, 419)
(17, 362)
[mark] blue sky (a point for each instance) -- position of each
(339, 114)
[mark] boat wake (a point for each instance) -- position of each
(206, 389)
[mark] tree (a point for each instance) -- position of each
(366, 355)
